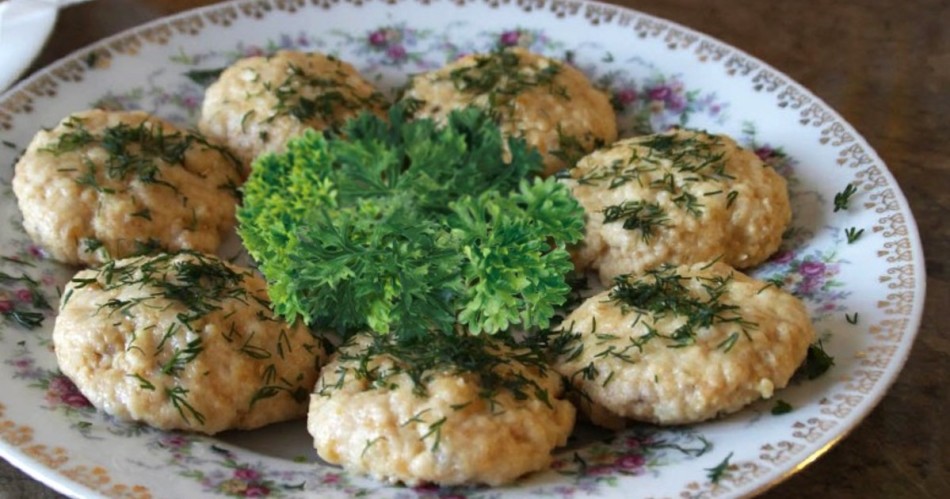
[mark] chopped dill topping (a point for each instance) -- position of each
(689, 203)
(571, 149)
(144, 384)
(637, 215)
(618, 172)
(731, 198)
(494, 361)
(177, 396)
(729, 342)
(436, 430)
(181, 357)
(853, 234)
(844, 197)
(661, 292)
(143, 213)
(501, 75)
(331, 96)
(369, 443)
(197, 285)
(132, 151)
(31, 297)
(718, 471)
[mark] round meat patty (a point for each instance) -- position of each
(419, 413)
(259, 103)
(111, 184)
(681, 345)
(551, 105)
(183, 341)
(678, 197)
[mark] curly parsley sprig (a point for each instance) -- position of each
(406, 227)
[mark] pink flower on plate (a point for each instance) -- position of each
(811, 268)
(36, 252)
(24, 295)
(61, 389)
(174, 441)
(764, 152)
(253, 51)
(631, 461)
(6, 306)
(633, 443)
(661, 93)
(191, 101)
(23, 363)
(783, 257)
(247, 474)
(378, 38)
(256, 490)
(602, 469)
(676, 102)
(396, 52)
(510, 38)
(626, 96)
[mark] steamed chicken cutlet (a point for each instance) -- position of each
(680, 345)
(445, 409)
(183, 341)
(259, 103)
(110, 184)
(678, 197)
(551, 105)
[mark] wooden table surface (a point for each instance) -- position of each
(885, 66)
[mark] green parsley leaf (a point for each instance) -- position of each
(781, 407)
(817, 362)
(407, 227)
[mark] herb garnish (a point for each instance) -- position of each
(407, 227)
(27, 310)
(781, 407)
(328, 97)
(132, 152)
(177, 396)
(844, 197)
(637, 215)
(817, 362)
(671, 162)
(662, 292)
(493, 360)
(853, 234)
(717, 472)
(502, 77)
(194, 285)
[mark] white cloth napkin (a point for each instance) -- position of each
(24, 27)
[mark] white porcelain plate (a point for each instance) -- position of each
(658, 73)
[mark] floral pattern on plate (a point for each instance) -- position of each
(653, 74)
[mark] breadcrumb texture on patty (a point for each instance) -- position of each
(111, 184)
(450, 434)
(550, 104)
(638, 363)
(183, 342)
(678, 197)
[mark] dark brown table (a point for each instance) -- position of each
(885, 66)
